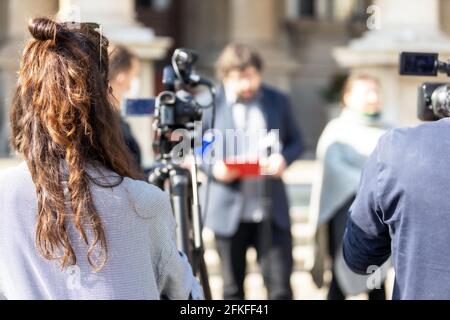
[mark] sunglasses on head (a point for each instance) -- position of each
(73, 24)
(94, 26)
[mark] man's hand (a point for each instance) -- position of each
(224, 174)
(274, 165)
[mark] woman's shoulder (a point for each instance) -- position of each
(107, 176)
(147, 196)
(16, 184)
(15, 174)
(143, 187)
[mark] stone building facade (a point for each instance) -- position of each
(306, 45)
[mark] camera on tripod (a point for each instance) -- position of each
(179, 106)
(433, 97)
(177, 103)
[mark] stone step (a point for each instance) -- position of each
(303, 242)
(303, 260)
(300, 214)
(302, 284)
(302, 234)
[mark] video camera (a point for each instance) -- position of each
(433, 97)
(179, 105)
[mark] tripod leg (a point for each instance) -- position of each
(201, 271)
(204, 280)
(189, 224)
(179, 187)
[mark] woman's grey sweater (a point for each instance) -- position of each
(143, 261)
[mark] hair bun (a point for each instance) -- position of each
(43, 28)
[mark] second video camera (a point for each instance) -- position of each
(433, 97)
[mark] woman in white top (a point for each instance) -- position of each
(75, 223)
(343, 148)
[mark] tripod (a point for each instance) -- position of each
(183, 188)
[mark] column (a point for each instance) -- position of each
(445, 15)
(253, 21)
(257, 23)
(206, 30)
(17, 14)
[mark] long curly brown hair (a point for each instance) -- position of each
(62, 122)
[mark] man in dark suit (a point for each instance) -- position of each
(246, 212)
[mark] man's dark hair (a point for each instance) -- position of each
(237, 56)
(120, 60)
(354, 78)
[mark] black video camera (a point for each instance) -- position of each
(433, 97)
(180, 104)
(177, 107)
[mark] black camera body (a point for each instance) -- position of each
(433, 101)
(175, 110)
(177, 107)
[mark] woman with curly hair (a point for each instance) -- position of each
(75, 221)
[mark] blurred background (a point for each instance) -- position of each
(309, 47)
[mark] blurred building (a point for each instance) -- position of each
(117, 19)
(295, 38)
(307, 45)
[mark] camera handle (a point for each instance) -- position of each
(444, 67)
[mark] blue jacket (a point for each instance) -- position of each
(223, 213)
(403, 208)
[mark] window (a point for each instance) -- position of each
(298, 9)
(306, 8)
(156, 5)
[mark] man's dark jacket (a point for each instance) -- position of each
(225, 203)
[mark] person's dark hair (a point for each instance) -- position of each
(62, 122)
(237, 56)
(120, 60)
(354, 78)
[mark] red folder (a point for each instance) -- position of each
(246, 169)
